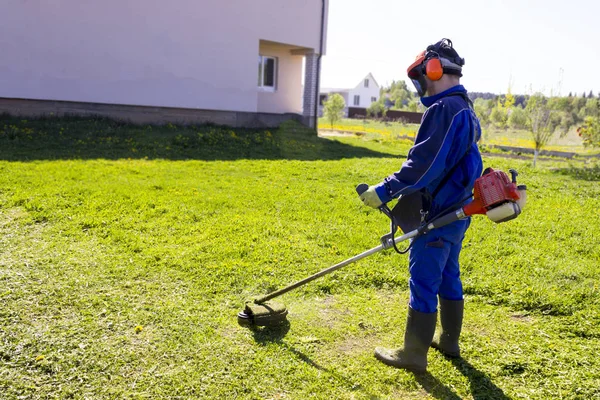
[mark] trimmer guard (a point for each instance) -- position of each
(265, 314)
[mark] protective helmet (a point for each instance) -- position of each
(438, 59)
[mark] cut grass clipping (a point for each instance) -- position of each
(126, 253)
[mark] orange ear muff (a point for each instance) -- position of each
(434, 69)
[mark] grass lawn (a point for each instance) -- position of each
(571, 142)
(372, 127)
(127, 252)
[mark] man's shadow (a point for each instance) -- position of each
(275, 334)
(482, 386)
(435, 387)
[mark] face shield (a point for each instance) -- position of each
(416, 75)
(449, 63)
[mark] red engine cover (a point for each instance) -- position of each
(495, 188)
(491, 189)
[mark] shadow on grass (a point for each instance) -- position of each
(270, 334)
(585, 174)
(435, 388)
(276, 334)
(482, 386)
(94, 138)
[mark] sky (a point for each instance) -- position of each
(530, 45)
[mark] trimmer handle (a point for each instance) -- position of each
(513, 174)
(363, 187)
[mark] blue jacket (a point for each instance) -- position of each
(448, 129)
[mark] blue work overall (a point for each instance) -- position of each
(446, 144)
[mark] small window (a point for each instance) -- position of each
(267, 73)
(373, 99)
(356, 100)
(366, 83)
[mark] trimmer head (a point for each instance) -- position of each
(264, 314)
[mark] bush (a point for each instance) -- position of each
(376, 109)
(499, 117)
(517, 118)
(590, 132)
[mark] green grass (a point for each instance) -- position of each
(374, 129)
(570, 142)
(126, 253)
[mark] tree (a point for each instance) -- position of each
(499, 115)
(509, 100)
(560, 104)
(517, 118)
(398, 94)
(333, 108)
(412, 105)
(590, 132)
(577, 103)
(376, 109)
(483, 109)
(591, 108)
(543, 122)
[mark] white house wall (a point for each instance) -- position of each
(181, 53)
(364, 93)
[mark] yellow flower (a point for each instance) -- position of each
(139, 328)
(40, 357)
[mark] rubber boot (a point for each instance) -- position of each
(420, 328)
(451, 318)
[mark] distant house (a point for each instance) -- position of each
(233, 62)
(363, 94)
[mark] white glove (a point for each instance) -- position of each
(370, 198)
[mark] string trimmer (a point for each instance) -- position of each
(494, 195)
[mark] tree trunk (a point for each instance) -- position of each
(535, 156)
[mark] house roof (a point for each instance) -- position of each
(372, 77)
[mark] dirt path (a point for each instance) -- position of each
(329, 133)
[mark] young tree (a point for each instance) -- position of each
(333, 108)
(543, 122)
(509, 100)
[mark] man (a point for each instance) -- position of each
(439, 172)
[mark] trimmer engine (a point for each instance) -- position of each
(497, 196)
